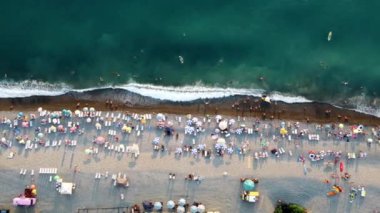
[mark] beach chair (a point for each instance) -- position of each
(54, 143)
(47, 144)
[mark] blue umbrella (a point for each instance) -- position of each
(182, 202)
(20, 114)
(193, 209)
(248, 185)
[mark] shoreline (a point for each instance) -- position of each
(244, 106)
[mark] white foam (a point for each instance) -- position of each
(9, 89)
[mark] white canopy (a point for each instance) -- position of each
(66, 188)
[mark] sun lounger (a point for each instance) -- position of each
(73, 143)
(21, 171)
(49, 120)
(59, 121)
(119, 116)
(54, 143)
(32, 172)
(47, 144)
(107, 114)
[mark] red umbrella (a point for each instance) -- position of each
(341, 166)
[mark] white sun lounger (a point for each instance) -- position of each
(138, 133)
(47, 144)
(107, 114)
(121, 148)
(59, 142)
(119, 116)
(54, 143)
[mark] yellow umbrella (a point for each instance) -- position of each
(341, 125)
(34, 191)
(143, 121)
(283, 131)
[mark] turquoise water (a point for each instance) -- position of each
(223, 43)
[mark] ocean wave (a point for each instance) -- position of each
(30, 88)
(27, 88)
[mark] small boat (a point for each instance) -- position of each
(329, 36)
(250, 196)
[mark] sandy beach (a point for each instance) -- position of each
(282, 177)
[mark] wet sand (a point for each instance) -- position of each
(280, 178)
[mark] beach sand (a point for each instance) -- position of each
(280, 178)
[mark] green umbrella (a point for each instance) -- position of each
(56, 178)
(248, 185)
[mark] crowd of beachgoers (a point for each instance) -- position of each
(111, 132)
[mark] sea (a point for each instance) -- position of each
(293, 50)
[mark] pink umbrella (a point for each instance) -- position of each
(61, 128)
(73, 129)
(25, 124)
(100, 140)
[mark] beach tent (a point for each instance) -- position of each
(182, 202)
(66, 188)
(170, 204)
(248, 185)
(100, 140)
(223, 125)
(180, 209)
(201, 208)
(157, 205)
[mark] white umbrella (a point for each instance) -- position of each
(199, 123)
(180, 209)
(169, 123)
(182, 202)
(157, 205)
(88, 120)
(160, 117)
(221, 141)
(77, 112)
(369, 140)
(3, 140)
(39, 109)
(218, 117)
(92, 109)
(201, 208)
(170, 204)
(40, 135)
(98, 126)
(231, 122)
(85, 109)
(193, 209)
(223, 125)
(55, 121)
(195, 119)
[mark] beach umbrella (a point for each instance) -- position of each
(369, 140)
(85, 109)
(3, 140)
(77, 112)
(248, 185)
(199, 124)
(193, 209)
(25, 124)
(54, 115)
(218, 118)
(169, 123)
(73, 129)
(283, 131)
(201, 208)
(194, 120)
(56, 177)
(160, 117)
(180, 209)
(230, 150)
(189, 122)
(40, 135)
(55, 121)
(88, 151)
(341, 125)
(194, 151)
(92, 109)
(88, 120)
(157, 205)
(34, 191)
(170, 204)
(221, 141)
(100, 140)
(32, 186)
(188, 116)
(223, 125)
(231, 122)
(20, 114)
(148, 205)
(341, 166)
(60, 128)
(182, 202)
(156, 140)
(53, 129)
(39, 109)
(98, 126)
(214, 137)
